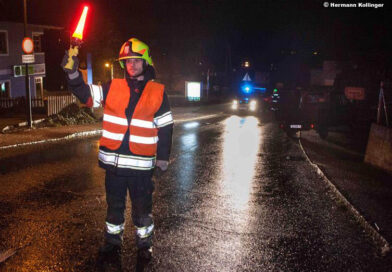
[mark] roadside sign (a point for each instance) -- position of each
(34, 69)
(193, 90)
(354, 93)
(28, 58)
(28, 45)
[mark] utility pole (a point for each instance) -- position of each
(28, 95)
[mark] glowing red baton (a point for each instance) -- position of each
(77, 39)
(77, 36)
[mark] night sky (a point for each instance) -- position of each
(258, 30)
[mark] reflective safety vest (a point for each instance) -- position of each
(143, 132)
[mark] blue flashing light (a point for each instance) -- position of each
(247, 88)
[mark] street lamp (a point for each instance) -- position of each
(28, 94)
(110, 65)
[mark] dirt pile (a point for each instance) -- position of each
(70, 115)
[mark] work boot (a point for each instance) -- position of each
(110, 248)
(145, 253)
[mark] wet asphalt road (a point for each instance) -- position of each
(239, 196)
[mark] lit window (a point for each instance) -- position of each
(3, 42)
(4, 89)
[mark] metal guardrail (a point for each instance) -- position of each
(57, 103)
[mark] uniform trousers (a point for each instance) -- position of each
(140, 190)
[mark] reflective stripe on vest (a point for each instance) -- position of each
(143, 140)
(142, 129)
(115, 120)
(112, 136)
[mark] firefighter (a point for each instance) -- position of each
(136, 137)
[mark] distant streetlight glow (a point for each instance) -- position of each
(246, 64)
(110, 65)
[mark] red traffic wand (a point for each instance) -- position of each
(77, 36)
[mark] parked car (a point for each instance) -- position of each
(299, 109)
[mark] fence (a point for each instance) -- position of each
(57, 103)
(7, 103)
(50, 105)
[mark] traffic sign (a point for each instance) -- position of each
(354, 93)
(28, 45)
(34, 69)
(246, 77)
(28, 58)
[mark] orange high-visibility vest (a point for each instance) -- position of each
(143, 132)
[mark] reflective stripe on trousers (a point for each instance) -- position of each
(144, 232)
(114, 229)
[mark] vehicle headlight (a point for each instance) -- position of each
(252, 105)
(234, 106)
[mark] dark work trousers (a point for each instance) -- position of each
(140, 189)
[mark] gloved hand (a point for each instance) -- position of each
(70, 62)
(162, 165)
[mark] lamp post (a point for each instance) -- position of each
(110, 65)
(28, 95)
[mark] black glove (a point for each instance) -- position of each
(70, 62)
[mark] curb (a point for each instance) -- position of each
(371, 231)
(95, 133)
(68, 137)
(22, 124)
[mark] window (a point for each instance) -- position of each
(3, 42)
(37, 39)
(38, 87)
(5, 89)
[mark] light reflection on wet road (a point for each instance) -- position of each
(240, 147)
(230, 202)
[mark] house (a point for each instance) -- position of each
(12, 70)
(326, 75)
